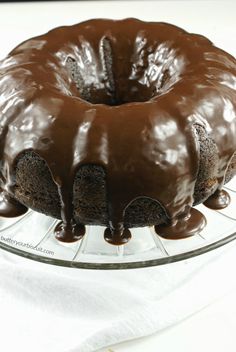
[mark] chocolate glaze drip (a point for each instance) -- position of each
(136, 91)
(219, 200)
(69, 232)
(9, 207)
(187, 226)
(117, 237)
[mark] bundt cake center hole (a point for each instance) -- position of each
(108, 90)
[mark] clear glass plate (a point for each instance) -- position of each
(31, 236)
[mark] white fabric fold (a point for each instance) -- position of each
(59, 309)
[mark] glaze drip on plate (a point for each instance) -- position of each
(219, 200)
(9, 207)
(148, 103)
(187, 226)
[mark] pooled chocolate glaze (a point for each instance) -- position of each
(219, 200)
(184, 227)
(117, 237)
(9, 207)
(69, 233)
(124, 95)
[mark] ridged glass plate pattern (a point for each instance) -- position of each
(31, 236)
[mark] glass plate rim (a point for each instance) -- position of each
(121, 265)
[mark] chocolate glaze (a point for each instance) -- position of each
(130, 104)
(117, 237)
(189, 225)
(69, 232)
(219, 200)
(9, 207)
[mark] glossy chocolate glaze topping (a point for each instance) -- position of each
(9, 207)
(219, 200)
(124, 95)
(187, 226)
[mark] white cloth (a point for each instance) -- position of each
(55, 309)
(52, 309)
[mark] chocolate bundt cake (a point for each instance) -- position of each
(117, 123)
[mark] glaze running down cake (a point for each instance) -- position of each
(117, 123)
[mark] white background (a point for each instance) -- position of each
(214, 328)
(215, 19)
